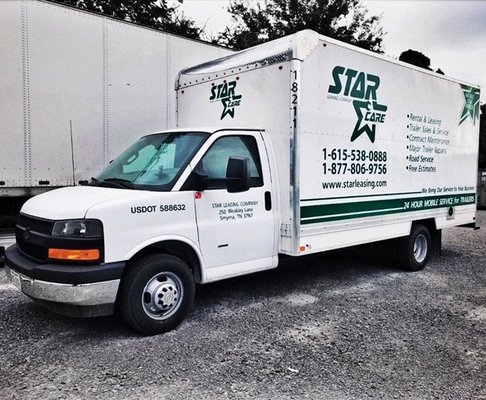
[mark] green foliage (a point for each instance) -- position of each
(482, 138)
(415, 58)
(418, 59)
(345, 20)
(152, 13)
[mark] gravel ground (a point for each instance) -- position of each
(338, 326)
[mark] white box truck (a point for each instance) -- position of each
(77, 88)
(315, 145)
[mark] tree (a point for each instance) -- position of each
(152, 13)
(345, 20)
(418, 59)
(415, 58)
(482, 138)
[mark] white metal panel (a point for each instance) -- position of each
(127, 231)
(296, 46)
(137, 86)
(420, 128)
(66, 84)
(380, 138)
(12, 95)
(182, 53)
(264, 103)
(141, 68)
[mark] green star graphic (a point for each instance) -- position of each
(362, 126)
(229, 110)
(471, 104)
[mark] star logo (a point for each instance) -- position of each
(367, 112)
(229, 104)
(226, 93)
(471, 104)
(360, 88)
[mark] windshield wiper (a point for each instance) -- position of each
(117, 182)
(92, 182)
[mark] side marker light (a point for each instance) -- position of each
(74, 254)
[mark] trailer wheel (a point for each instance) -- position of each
(156, 294)
(414, 250)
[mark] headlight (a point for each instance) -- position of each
(78, 228)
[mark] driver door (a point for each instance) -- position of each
(237, 231)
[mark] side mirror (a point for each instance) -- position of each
(200, 181)
(238, 174)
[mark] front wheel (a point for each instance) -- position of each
(414, 250)
(156, 294)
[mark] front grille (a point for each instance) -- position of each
(43, 226)
(31, 250)
(30, 233)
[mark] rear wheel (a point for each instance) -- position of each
(414, 250)
(156, 294)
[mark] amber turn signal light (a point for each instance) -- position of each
(74, 255)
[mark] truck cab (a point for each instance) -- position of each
(175, 209)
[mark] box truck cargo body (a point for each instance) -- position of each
(365, 144)
(76, 89)
(315, 145)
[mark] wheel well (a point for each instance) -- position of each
(435, 234)
(175, 248)
(428, 223)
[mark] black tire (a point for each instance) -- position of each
(414, 250)
(156, 293)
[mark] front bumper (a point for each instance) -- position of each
(90, 296)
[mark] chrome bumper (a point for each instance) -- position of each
(84, 295)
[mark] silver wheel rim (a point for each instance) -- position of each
(162, 295)
(420, 248)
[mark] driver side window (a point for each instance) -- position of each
(214, 163)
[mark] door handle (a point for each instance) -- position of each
(268, 201)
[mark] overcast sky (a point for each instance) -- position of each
(451, 33)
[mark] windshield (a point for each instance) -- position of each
(154, 162)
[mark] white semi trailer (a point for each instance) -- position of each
(76, 88)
